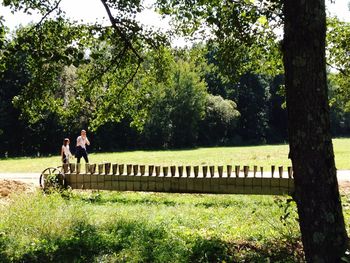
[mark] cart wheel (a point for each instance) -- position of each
(51, 178)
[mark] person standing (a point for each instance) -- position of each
(82, 141)
(65, 151)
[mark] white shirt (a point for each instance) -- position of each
(82, 142)
(66, 151)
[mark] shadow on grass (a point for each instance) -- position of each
(98, 198)
(126, 241)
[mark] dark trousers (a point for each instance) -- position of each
(81, 152)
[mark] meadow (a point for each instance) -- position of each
(264, 155)
(102, 226)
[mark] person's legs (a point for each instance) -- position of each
(85, 156)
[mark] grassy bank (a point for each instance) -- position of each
(148, 227)
(265, 155)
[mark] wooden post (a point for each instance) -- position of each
(196, 170)
(220, 170)
(173, 170)
(262, 171)
(157, 170)
(128, 169)
(246, 170)
(114, 168)
(165, 171)
(255, 170)
(87, 168)
(100, 168)
(92, 168)
(188, 171)
(78, 168)
(72, 167)
(290, 172)
(237, 167)
(65, 167)
(212, 170)
(229, 170)
(280, 171)
(272, 170)
(181, 170)
(205, 171)
(142, 169)
(135, 169)
(107, 168)
(121, 169)
(150, 169)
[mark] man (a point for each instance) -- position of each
(82, 141)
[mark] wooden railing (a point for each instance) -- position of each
(180, 179)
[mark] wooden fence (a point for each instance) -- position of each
(180, 179)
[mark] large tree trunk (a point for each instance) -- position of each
(316, 188)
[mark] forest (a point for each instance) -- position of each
(61, 77)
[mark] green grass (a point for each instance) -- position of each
(265, 155)
(148, 227)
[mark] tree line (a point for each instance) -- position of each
(181, 97)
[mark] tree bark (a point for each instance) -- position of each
(322, 225)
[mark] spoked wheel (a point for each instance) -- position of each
(52, 178)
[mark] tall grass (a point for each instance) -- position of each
(147, 227)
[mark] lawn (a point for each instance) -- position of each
(148, 227)
(265, 155)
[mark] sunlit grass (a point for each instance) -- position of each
(145, 227)
(265, 155)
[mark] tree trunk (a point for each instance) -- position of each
(316, 188)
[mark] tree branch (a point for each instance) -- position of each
(342, 71)
(119, 32)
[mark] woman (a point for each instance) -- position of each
(65, 151)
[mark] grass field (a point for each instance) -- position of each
(265, 155)
(148, 227)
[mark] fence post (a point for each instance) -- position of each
(107, 168)
(181, 170)
(280, 171)
(65, 167)
(92, 168)
(78, 168)
(157, 170)
(128, 169)
(165, 170)
(246, 170)
(272, 170)
(229, 170)
(135, 169)
(173, 170)
(262, 171)
(150, 169)
(290, 172)
(100, 168)
(72, 167)
(188, 171)
(212, 170)
(205, 171)
(237, 170)
(196, 170)
(255, 170)
(121, 169)
(114, 168)
(142, 169)
(220, 170)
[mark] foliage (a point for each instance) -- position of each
(220, 120)
(178, 108)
